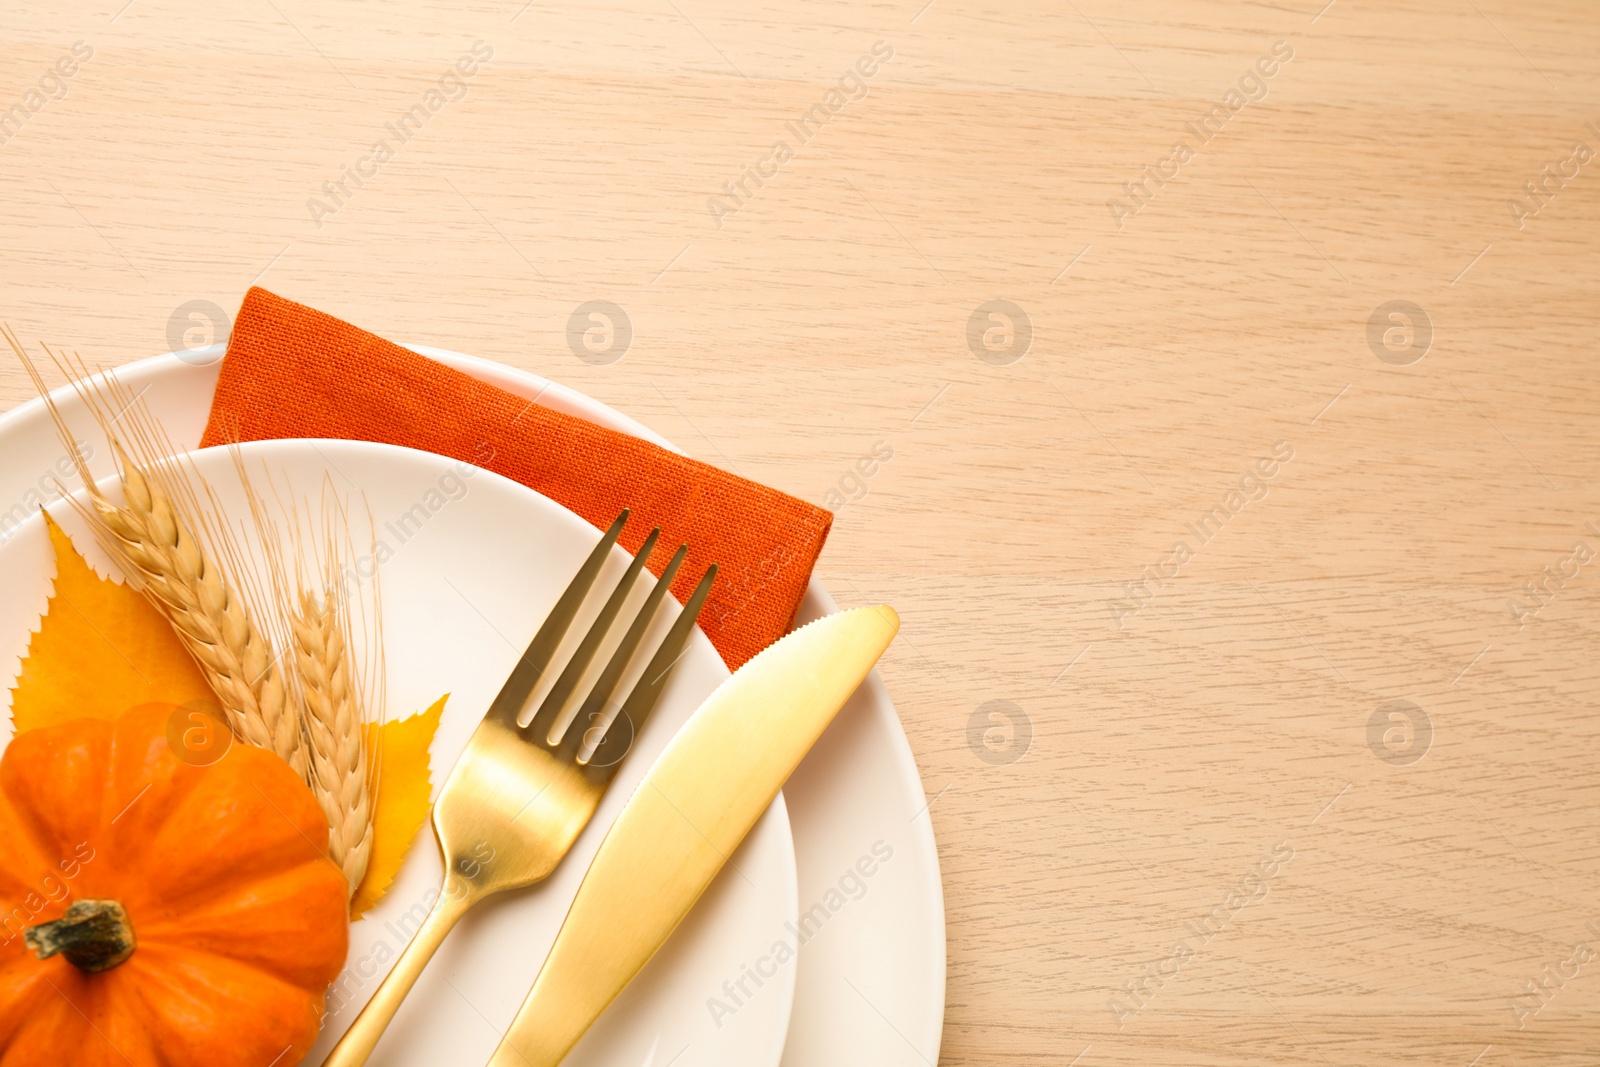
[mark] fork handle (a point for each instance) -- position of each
(455, 899)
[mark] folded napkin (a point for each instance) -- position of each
(292, 371)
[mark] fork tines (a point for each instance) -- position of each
(588, 727)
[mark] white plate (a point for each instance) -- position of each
(470, 577)
(870, 987)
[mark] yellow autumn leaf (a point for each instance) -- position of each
(100, 649)
(400, 747)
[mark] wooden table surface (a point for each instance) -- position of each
(1240, 390)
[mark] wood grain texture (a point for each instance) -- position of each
(1155, 757)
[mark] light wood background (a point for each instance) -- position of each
(1172, 749)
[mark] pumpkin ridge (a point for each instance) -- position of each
(149, 1021)
(166, 951)
(166, 969)
(80, 1000)
(198, 898)
(22, 988)
(274, 792)
(197, 929)
(18, 852)
(173, 789)
(39, 746)
(103, 995)
(14, 886)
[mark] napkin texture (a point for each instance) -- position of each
(292, 371)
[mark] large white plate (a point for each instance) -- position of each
(870, 985)
(471, 576)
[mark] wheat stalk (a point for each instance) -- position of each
(185, 560)
(335, 731)
(326, 677)
(169, 564)
(162, 552)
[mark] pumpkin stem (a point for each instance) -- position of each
(94, 936)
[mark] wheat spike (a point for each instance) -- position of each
(183, 557)
(167, 561)
(154, 540)
(335, 731)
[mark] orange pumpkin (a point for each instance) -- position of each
(205, 923)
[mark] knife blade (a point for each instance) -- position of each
(690, 813)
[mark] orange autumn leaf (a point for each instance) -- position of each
(400, 747)
(100, 649)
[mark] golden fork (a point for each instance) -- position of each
(518, 797)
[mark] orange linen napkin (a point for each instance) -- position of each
(292, 371)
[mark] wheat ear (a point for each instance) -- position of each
(169, 564)
(335, 729)
(152, 539)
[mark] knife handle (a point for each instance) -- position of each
(353, 1049)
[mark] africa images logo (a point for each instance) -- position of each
(852, 86)
(851, 886)
(1251, 88)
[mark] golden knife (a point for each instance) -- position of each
(693, 808)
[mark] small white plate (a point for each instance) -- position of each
(473, 563)
(870, 988)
